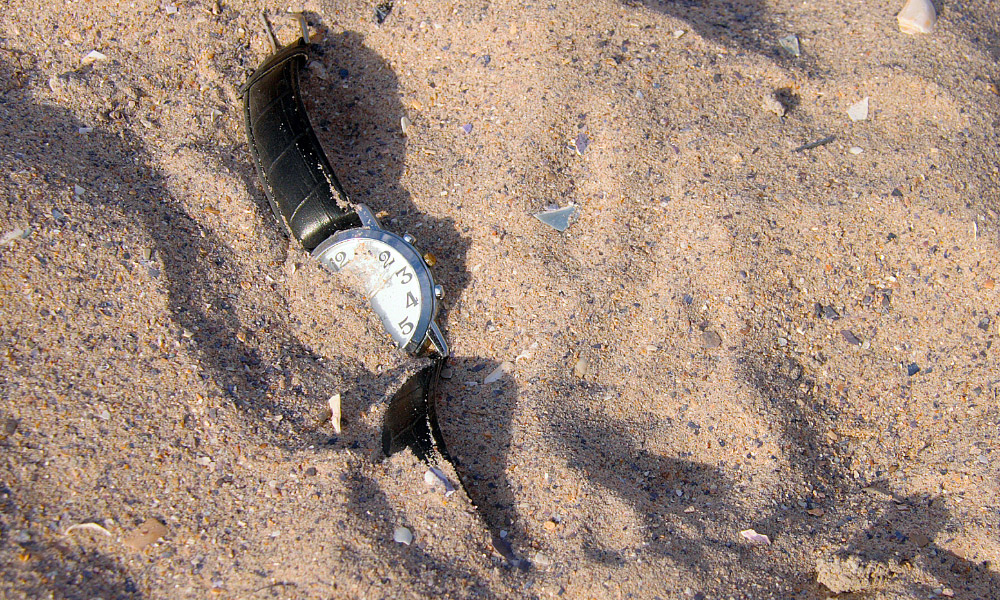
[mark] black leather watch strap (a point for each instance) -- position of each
(411, 420)
(300, 185)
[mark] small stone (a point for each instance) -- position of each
(850, 337)
(170, 9)
(917, 16)
(711, 339)
(859, 110)
(582, 367)
(541, 560)
(311, 472)
(406, 125)
(559, 219)
(402, 535)
(581, 143)
(382, 11)
(15, 234)
(772, 104)
(93, 56)
(78, 191)
(334, 403)
(912, 369)
(504, 368)
(756, 538)
(678, 33)
(467, 128)
(816, 512)
(84, 130)
(855, 150)
(920, 540)
(147, 533)
(791, 45)
(550, 526)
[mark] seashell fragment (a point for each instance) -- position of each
(918, 16)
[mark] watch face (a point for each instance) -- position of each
(390, 273)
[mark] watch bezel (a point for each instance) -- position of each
(327, 249)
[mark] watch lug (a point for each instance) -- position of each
(367, 217)
(436, 339)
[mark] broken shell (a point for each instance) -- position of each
(918, 16)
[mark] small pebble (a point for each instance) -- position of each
(504, 368)
(402, 535)
(912, 369)
(170, 9)
(94, 56)
(147, 533)
(791, 45)
(850, 337)
(855, 150)
(467, 128)
(582, 367)
(772, 104)
(859, 111)
(405, 124)
(711, 339)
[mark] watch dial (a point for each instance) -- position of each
(386, 278)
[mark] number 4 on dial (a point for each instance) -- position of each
(411, 300)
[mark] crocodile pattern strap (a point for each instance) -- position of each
(411, 420)
(300, 185)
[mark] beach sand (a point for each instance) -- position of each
(734, 334)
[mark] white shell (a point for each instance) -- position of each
(918, 16)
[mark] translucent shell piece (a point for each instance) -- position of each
(918, 16)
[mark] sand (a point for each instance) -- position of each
(732, 334)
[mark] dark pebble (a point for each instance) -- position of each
(311, 471)
(897, 193)
(850, 337)
(912, 369)
(344, 73)
(711, 339)
(382, 11)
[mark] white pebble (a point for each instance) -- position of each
(855, 150)
(94, 56)
(918, 16)
(402, 535)
(406, 125)
(859, 110)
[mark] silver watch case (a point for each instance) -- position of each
(339, 253)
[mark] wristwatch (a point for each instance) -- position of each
(347, 238)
